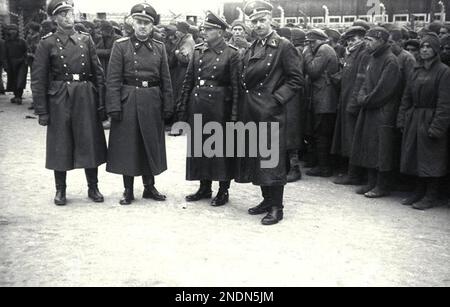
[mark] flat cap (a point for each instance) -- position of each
(362, 23)
(378, 33)
(56, 6)
(333, 34)
(298, 36)
(214, 21)
(316, 34)
(285, 32)
(413, 42)
(354, 31)
(144, 11)
(257, 8)
(183, 27)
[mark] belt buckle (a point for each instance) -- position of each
(144, 83)
(202, 82)
(76, 77)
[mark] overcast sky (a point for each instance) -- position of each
(162, 6)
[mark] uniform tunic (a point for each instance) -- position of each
(139, 86)
(211, 89)
(75, 137)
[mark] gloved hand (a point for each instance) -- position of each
(117, 116)
(102, 114)
(44, 120)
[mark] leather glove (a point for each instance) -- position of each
(117, 116)
(102, 114)
(44, 120)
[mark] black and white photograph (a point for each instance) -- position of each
(224, 144)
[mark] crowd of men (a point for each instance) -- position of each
(369, 104)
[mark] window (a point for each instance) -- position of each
(366, 18)
(349, 19)
(380, 18)
(401, 18)
(334, 19)
(291, 20)
(302, 20)
(317, 20)
(420, 17)
(438, 16)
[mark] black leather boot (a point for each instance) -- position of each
(371, 183)
(382, 187)
(204, 192)
(60, 183)
(128, 194)
(264, 206)
(417, 195)
(274, 216)
(150, 192)
(92, 180)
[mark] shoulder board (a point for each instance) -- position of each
(233, 47)
(157, 41)
(123, 39)
(47, 35)
(198, 46)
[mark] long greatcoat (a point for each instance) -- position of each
(211, 89)
(425, 116)
(375, 132)
(180, 61)
(352, 77)
(16, 63)
(271, 76)
(75, 136)
(137, 143)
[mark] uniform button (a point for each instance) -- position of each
(268, 64)
(259, 94)
(270, 54)
(82, 55)
(218, 60)
(199, 69)
(137, 87)
(261, 84)
(79, 38)
(67, 74)
(61, 48)
(211, 86)
(214, 67)
(135, 53)
(200, 61)
(65, 65)
(82, 64)
(212, 77)
(247, 91)
(81, 46)
(196, 95)
(68, 83)
(209, 95)
(62, 57)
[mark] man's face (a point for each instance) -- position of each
(395, 45)
(426, 52)
(65, 19)
(313, 43)
(262, 26)
(211, 34)
(238, 31)
(373, 43)
(413, 50)
(142, 27)
(443, 32)
(353, 41)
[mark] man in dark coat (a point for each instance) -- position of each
(2, 65)
(33, 39)
(352, 77)
(211, 89)
(445, 54)
(16, 64)
(296, 115)
(68, 91)
(271, 76)
(424, 118)
(139, 97)
(321, 63)
(375, 132)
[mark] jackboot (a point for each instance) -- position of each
(264, 206)
(204, 192)
(60, 183)
(371, 182)
(382, 187)
(275, 212)
(150, 192)
(417, 195)
(274, 216)
(223, 197)
(128, 194)
(92, 180)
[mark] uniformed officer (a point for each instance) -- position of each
(139, 98)
(68, 91)
(211, 89)
(271, 77)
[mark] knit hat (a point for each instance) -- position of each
(432, 39)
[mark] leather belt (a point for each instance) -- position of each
(141, 83)
(211, 83)
(72, 78)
